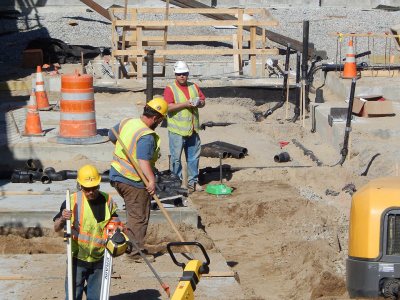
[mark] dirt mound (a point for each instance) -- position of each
(281, 245)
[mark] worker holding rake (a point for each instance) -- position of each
(143, 146)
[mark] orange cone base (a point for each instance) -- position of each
(350, 71)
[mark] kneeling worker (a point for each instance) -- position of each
(91, 210)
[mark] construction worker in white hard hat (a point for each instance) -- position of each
(184, 99)
(91, 210)
(143, 142)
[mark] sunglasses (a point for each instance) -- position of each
(182, 74)
(91, 189)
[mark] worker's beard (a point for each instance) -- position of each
(155, 124)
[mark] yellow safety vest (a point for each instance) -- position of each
(185, 121)
(130, 132)
(88, 236)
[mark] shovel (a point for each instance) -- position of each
(219, 189)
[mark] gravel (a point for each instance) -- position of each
(95, 30)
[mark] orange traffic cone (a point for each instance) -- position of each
(33, 126)
(350, 68)
(41, 96)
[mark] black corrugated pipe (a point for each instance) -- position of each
(304, 65)
(284, 87)
(307, 152)
(298, 89)
(345, 149)
(150, 74)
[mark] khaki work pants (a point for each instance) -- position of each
(137, 205)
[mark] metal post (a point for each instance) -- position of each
(150, 74)
(304, 66)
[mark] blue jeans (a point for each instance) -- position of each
(92, 277)
(192, 147)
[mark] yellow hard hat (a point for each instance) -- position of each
(88, 176)
(160, 105)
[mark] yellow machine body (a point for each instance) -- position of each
(373, 264)
(368, 205)
(188, 281)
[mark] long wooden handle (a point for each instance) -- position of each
(146, 183)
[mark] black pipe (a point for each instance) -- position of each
(284, 87)
(33, 165)
(298, 89)
(71, 174)
(282, 157)
(208, 151)
(307, 152)
(369, 164)
(21, 177)
(45, 179)
(150, 74)
(304, 65)
(231, 152)
(232, 146)
(345, 149)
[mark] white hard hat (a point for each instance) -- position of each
(181, 67)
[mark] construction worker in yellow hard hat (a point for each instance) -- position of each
(90, 212)
(143, 142)
(184, 99)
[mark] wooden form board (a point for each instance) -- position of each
(130, 41)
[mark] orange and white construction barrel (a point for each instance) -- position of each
(77, 111)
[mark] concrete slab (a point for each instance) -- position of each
(334, 135)
(35, 204)
(41, 276)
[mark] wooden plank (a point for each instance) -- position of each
(236, 67)
(273, 36)
(372, 35)
(240, 40)
(174, 10)
(253, 60)
(165, 34)
(140, 56)
(199, 52)
(263, 43)
(97, 8)
(197, 38)
(158, 59)
(203, 23)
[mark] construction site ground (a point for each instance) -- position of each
(282, 234)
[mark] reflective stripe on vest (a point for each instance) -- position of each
(132, 131)
(184, 121)
(88, 236)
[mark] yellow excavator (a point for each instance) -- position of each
(373, 264)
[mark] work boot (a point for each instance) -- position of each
(195, 188)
